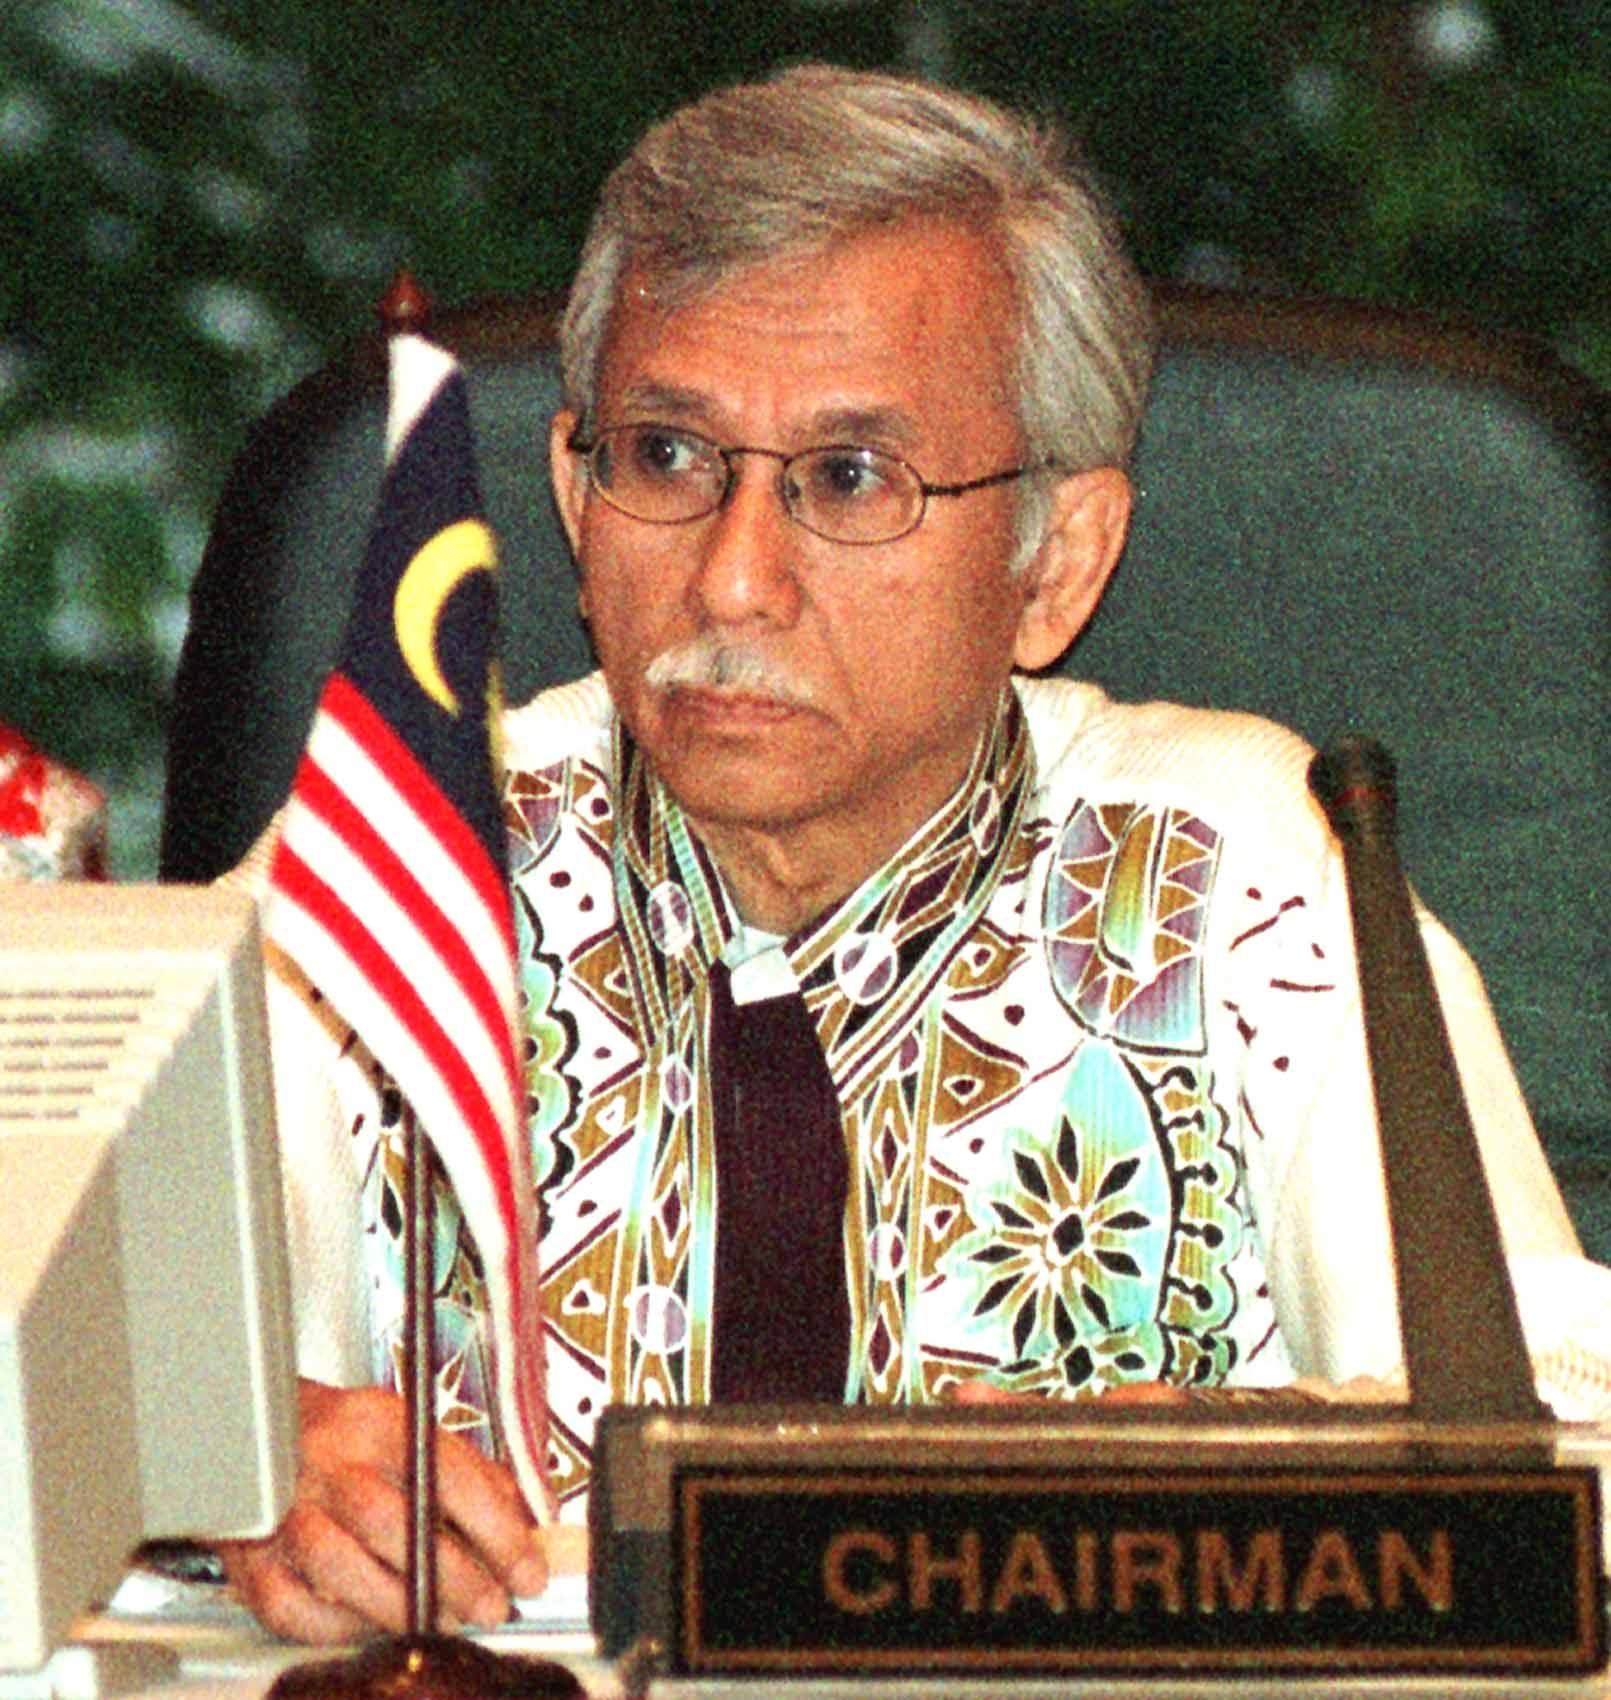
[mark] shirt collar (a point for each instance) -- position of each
(880, 944)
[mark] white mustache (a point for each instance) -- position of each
(715, 663)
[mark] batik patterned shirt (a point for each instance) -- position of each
(1094, 1033)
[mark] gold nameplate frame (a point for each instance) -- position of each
(821, 1542)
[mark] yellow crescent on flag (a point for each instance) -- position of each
(428, 581)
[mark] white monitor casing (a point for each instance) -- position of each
(146, 1359)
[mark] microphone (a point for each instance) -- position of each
(1463, 1345)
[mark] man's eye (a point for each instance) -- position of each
(846, 476)
(658, 453)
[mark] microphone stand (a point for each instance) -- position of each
(1463, 1345)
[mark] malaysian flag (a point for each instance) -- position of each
(389, 885)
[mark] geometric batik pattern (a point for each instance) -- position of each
(1125, 908)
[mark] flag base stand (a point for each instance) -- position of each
(427, 1667)
(422, 1664)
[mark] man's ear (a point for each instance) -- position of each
(1090, 518)
(568, 473)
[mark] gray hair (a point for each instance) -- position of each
(818, 154)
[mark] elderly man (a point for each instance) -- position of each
(894, 1023)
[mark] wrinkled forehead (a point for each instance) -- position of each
(918, 305)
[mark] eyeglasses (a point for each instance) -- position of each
(847, 494)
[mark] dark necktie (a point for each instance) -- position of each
(781, 1315)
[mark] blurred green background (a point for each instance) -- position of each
(203, 198)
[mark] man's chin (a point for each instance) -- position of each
(760, 778)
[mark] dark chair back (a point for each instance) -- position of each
(1348, 520)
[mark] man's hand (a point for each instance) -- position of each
(335, 1568)
(1123, 1393)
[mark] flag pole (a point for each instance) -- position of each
(405, 309)
(419, 1357)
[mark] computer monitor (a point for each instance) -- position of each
(147, 1387)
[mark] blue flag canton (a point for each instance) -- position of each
(423, 639)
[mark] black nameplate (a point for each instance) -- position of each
(829, 1571)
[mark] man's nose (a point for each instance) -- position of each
(749, 552)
